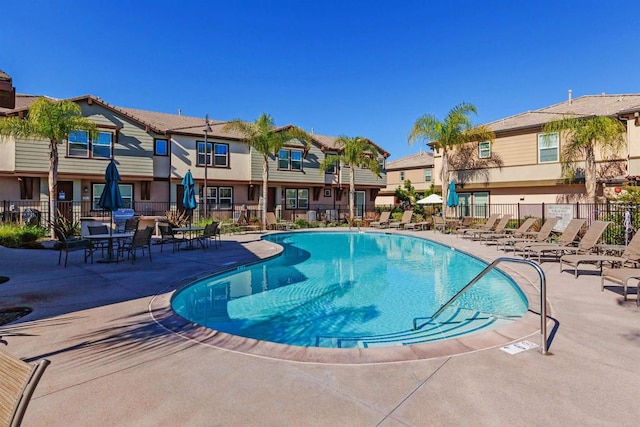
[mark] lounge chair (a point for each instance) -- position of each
(19, 381)
(466, 222)
(529, 236)
(383, 221)
(406, 218)
(273, 224)
(510, 232)
(567, 237)
(439, 223)
(586, 245)
(487, 225)
(499, 228)
(631, 255)
(622, 276)
(420, 225)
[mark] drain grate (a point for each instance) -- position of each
(11, 314)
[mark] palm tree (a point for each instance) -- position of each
(454, 131)
(353, 152)
(582, 136)
(53, 121)
(264, 137)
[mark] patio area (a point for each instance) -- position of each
(112, 364)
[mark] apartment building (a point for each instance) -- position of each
(530, 170)
(154, 150)
(417, 168)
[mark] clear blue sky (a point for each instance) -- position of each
(367, 68)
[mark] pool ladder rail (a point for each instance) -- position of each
(543, 295)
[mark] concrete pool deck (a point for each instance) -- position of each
(113, 365)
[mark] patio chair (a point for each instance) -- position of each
(500, 226)
(586, 244)
(141, 240)
(19, 381)
(406, 218)
(168, 237)
(630, 256)
(529, 236)
(131, 225)
(487, 225)
(99, 244)
(510, 232)
(273, 224)
(420, 225)
(466, 222)
(622, 276)
(566, 238)
(383, 221)
(211, 232)
(73, 244)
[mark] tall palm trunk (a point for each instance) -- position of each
(53, 183)
(352, 190)
(265, 189)
(445, 180)
(590, 174)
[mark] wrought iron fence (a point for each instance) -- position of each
(625, 218)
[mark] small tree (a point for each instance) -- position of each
(53, 121)
(266, 139)
(582, 136)
(353, 152)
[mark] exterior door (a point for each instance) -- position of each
(180, 196)
(271, 199)
(359, 203)
(64, 196)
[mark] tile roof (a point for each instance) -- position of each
(419, 160)
(588, 105)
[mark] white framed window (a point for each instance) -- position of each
(290, 160)
(80, 144)
(548, 147)
(297, 198)
(331, 169)
(428, 173)
(221, 155)
(126, 192)
(484, 150)
(201, 154)
(219, 197)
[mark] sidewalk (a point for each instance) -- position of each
(112, 365)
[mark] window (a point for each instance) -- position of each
(219, 197)
(297, 198)
(402, 176)
(331, 169)
(201, 154)
(548, 148)
(126, 191)
(26, 187)
(160, 147)
(79, 144)
(221, 155)
(427, 175)
(484, 150)
(290, 160)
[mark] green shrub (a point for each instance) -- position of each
(21, 236)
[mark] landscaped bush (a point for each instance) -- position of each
(18, 236)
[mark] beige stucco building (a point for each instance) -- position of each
(417, 168)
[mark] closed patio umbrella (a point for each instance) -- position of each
(110, 199)
(189, 198)
(452, 198)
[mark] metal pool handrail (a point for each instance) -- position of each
(543, 294)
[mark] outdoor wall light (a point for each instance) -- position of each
(85, 189)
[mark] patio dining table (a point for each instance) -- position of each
(190, 234)
(109, 237)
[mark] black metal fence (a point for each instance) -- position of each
(625, 218)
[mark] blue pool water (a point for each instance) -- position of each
(346, 289)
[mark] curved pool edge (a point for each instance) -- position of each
(528, 325)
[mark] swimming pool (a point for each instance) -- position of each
(352, 290)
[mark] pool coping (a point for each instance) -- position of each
(528, 325)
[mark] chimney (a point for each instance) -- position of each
(570, 93)
(179, 111)
(311, 130)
